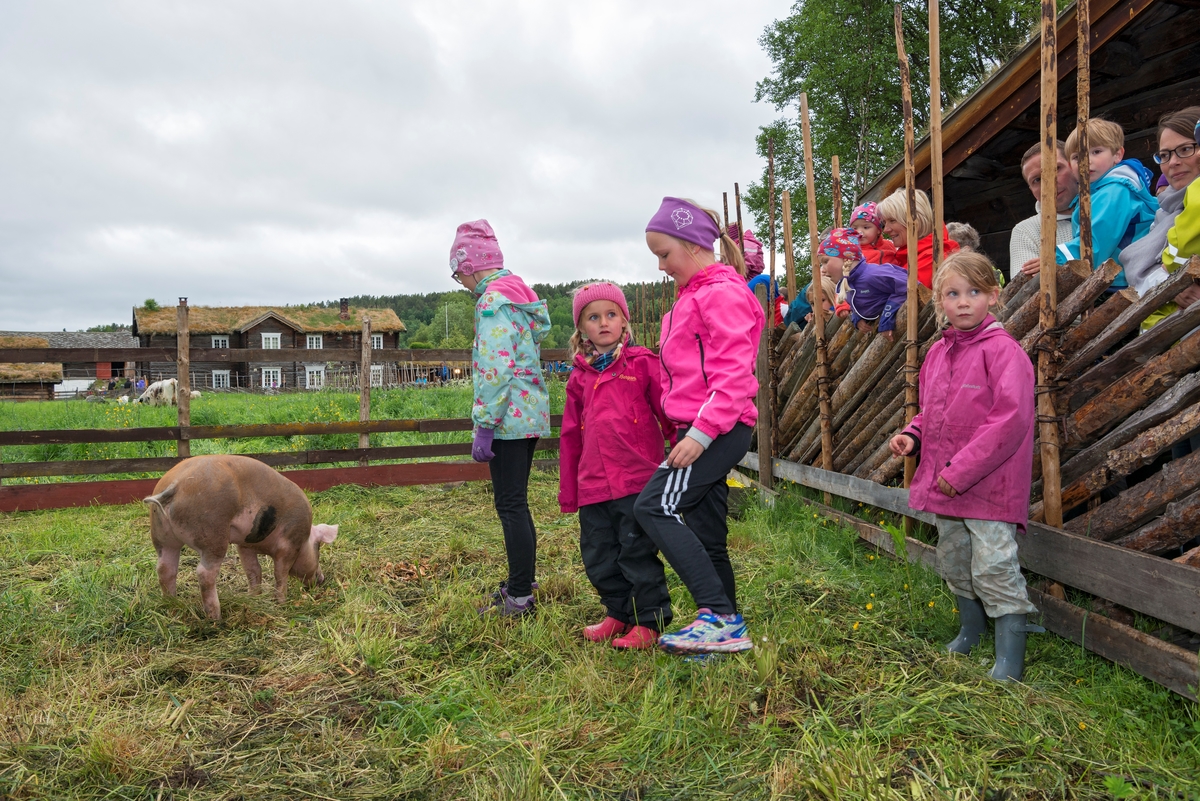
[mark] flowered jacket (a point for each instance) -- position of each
(510, 393)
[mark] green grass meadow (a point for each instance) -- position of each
(385, 684)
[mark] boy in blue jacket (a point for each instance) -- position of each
(874, 291)
(1122, 206)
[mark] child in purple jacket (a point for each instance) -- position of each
(874, 291)
(613, 431)
(974, 435)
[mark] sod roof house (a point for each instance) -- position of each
(309, 339)
(28, 380)
(85, 339)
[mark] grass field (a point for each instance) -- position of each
(385, 684)
(237, 409)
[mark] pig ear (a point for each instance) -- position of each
(325, 533)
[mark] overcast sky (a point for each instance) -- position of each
(286, 152)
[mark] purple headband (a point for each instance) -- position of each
(686, 221)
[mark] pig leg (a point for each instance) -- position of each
(206, 573)
(168, 564)
(283, 566)
(253, 569)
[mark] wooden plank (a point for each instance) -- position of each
(67, 436)
(364, 383)
(152, 464)
(183, 386)
(766, 419)
(1148, 584)
(238, 355)
(1168, 665)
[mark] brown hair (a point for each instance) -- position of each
(1182, 122)
(895, 206)
(731, 253)
(575, 345)
(1101, 133)
(975, 267)
(1036, 150)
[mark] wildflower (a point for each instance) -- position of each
(1082, 725)
(855, 626)
(931, 604)
(870, 558)
(872, 595)
(906, 586)
(814, 515)
(870, 607)
(881, 522)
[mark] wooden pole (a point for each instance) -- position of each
(364, 385)
(737, 198)
(183, 381)
(789, 258)
(771, 200)
(911, 366)
(818, 296)
(763, 368)
(1047, 416)
(1083, 92)
(725, 203)
(837, 194)
(935, 133)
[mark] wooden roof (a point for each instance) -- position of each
(1143, 61)
(42, 372)
(228, 319)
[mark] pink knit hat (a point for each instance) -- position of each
(842, 243)
(601, 290)
(475, 248)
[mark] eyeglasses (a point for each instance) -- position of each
(1183, 151)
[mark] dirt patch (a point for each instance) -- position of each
(185, 777)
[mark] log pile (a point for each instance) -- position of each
(1123, 401)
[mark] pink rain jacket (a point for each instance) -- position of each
(707, 350)
(612, 431)
(976, 426)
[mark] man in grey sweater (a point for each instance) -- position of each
(1025, 246)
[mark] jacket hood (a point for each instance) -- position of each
(990, 327)
(628, 349)
(1133, 174)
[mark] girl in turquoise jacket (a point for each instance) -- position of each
(512, 405)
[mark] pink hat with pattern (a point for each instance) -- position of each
(842, 243)
(868, 211)
(475, 248)
(600, 290)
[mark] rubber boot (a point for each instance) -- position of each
(1010, 648)
(974, 625)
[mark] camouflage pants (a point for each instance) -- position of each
(978, 559)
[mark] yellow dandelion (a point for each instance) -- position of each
(881, 522)
(814, 516)
(906, 586)
(870, 607)
(872, 595)
(931, 604)
(1082, 725)
(870, 558)
(855, 626)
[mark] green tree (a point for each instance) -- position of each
(843, 54)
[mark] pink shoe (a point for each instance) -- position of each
(605, 630)
(638, 637)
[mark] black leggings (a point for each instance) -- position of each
(510, 487)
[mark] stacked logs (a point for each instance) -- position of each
(1123, 400)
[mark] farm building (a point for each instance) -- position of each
(309, 339)
(1143, 61)
(86, 339)
(34, 381)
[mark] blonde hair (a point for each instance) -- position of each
(575, 344)
(730, 253)
(828, 289)
(1100, 133)
(976, 268)
(895, 206)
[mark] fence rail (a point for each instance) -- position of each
(239, 355)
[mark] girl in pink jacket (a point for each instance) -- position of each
(707, 352)
(612, 438)
(974, 437)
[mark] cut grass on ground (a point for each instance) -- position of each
(385, 684)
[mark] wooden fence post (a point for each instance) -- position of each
(935, 133)
(765, 417)
(183, 379)
(818, 296)
(737, 200)
(911, 357)
(789, 258)
(837, 194)
(771, 200)
(364, 385)
(1047, 416)
(1083, 93)
(725, 203)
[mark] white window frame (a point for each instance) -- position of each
(376, 341)
(311, 370)
(377, 375)
(220, 379)
(270, 374)
(272, 341)
(220, 342)
(316, 342)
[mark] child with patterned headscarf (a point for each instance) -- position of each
(874, 291)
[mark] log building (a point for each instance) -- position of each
(28, 381)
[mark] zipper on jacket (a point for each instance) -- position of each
(662, 350)
(703, 372)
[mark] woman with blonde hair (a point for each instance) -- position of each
(894, 210)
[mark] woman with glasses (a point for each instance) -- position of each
(1144, 262)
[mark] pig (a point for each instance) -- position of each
(208, 502)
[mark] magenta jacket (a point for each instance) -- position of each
(708, 347)
(976, 426)
(612, 431)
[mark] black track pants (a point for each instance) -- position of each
(683, 510)
(622, 564)
(510, 486)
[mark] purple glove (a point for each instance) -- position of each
(481, 448)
